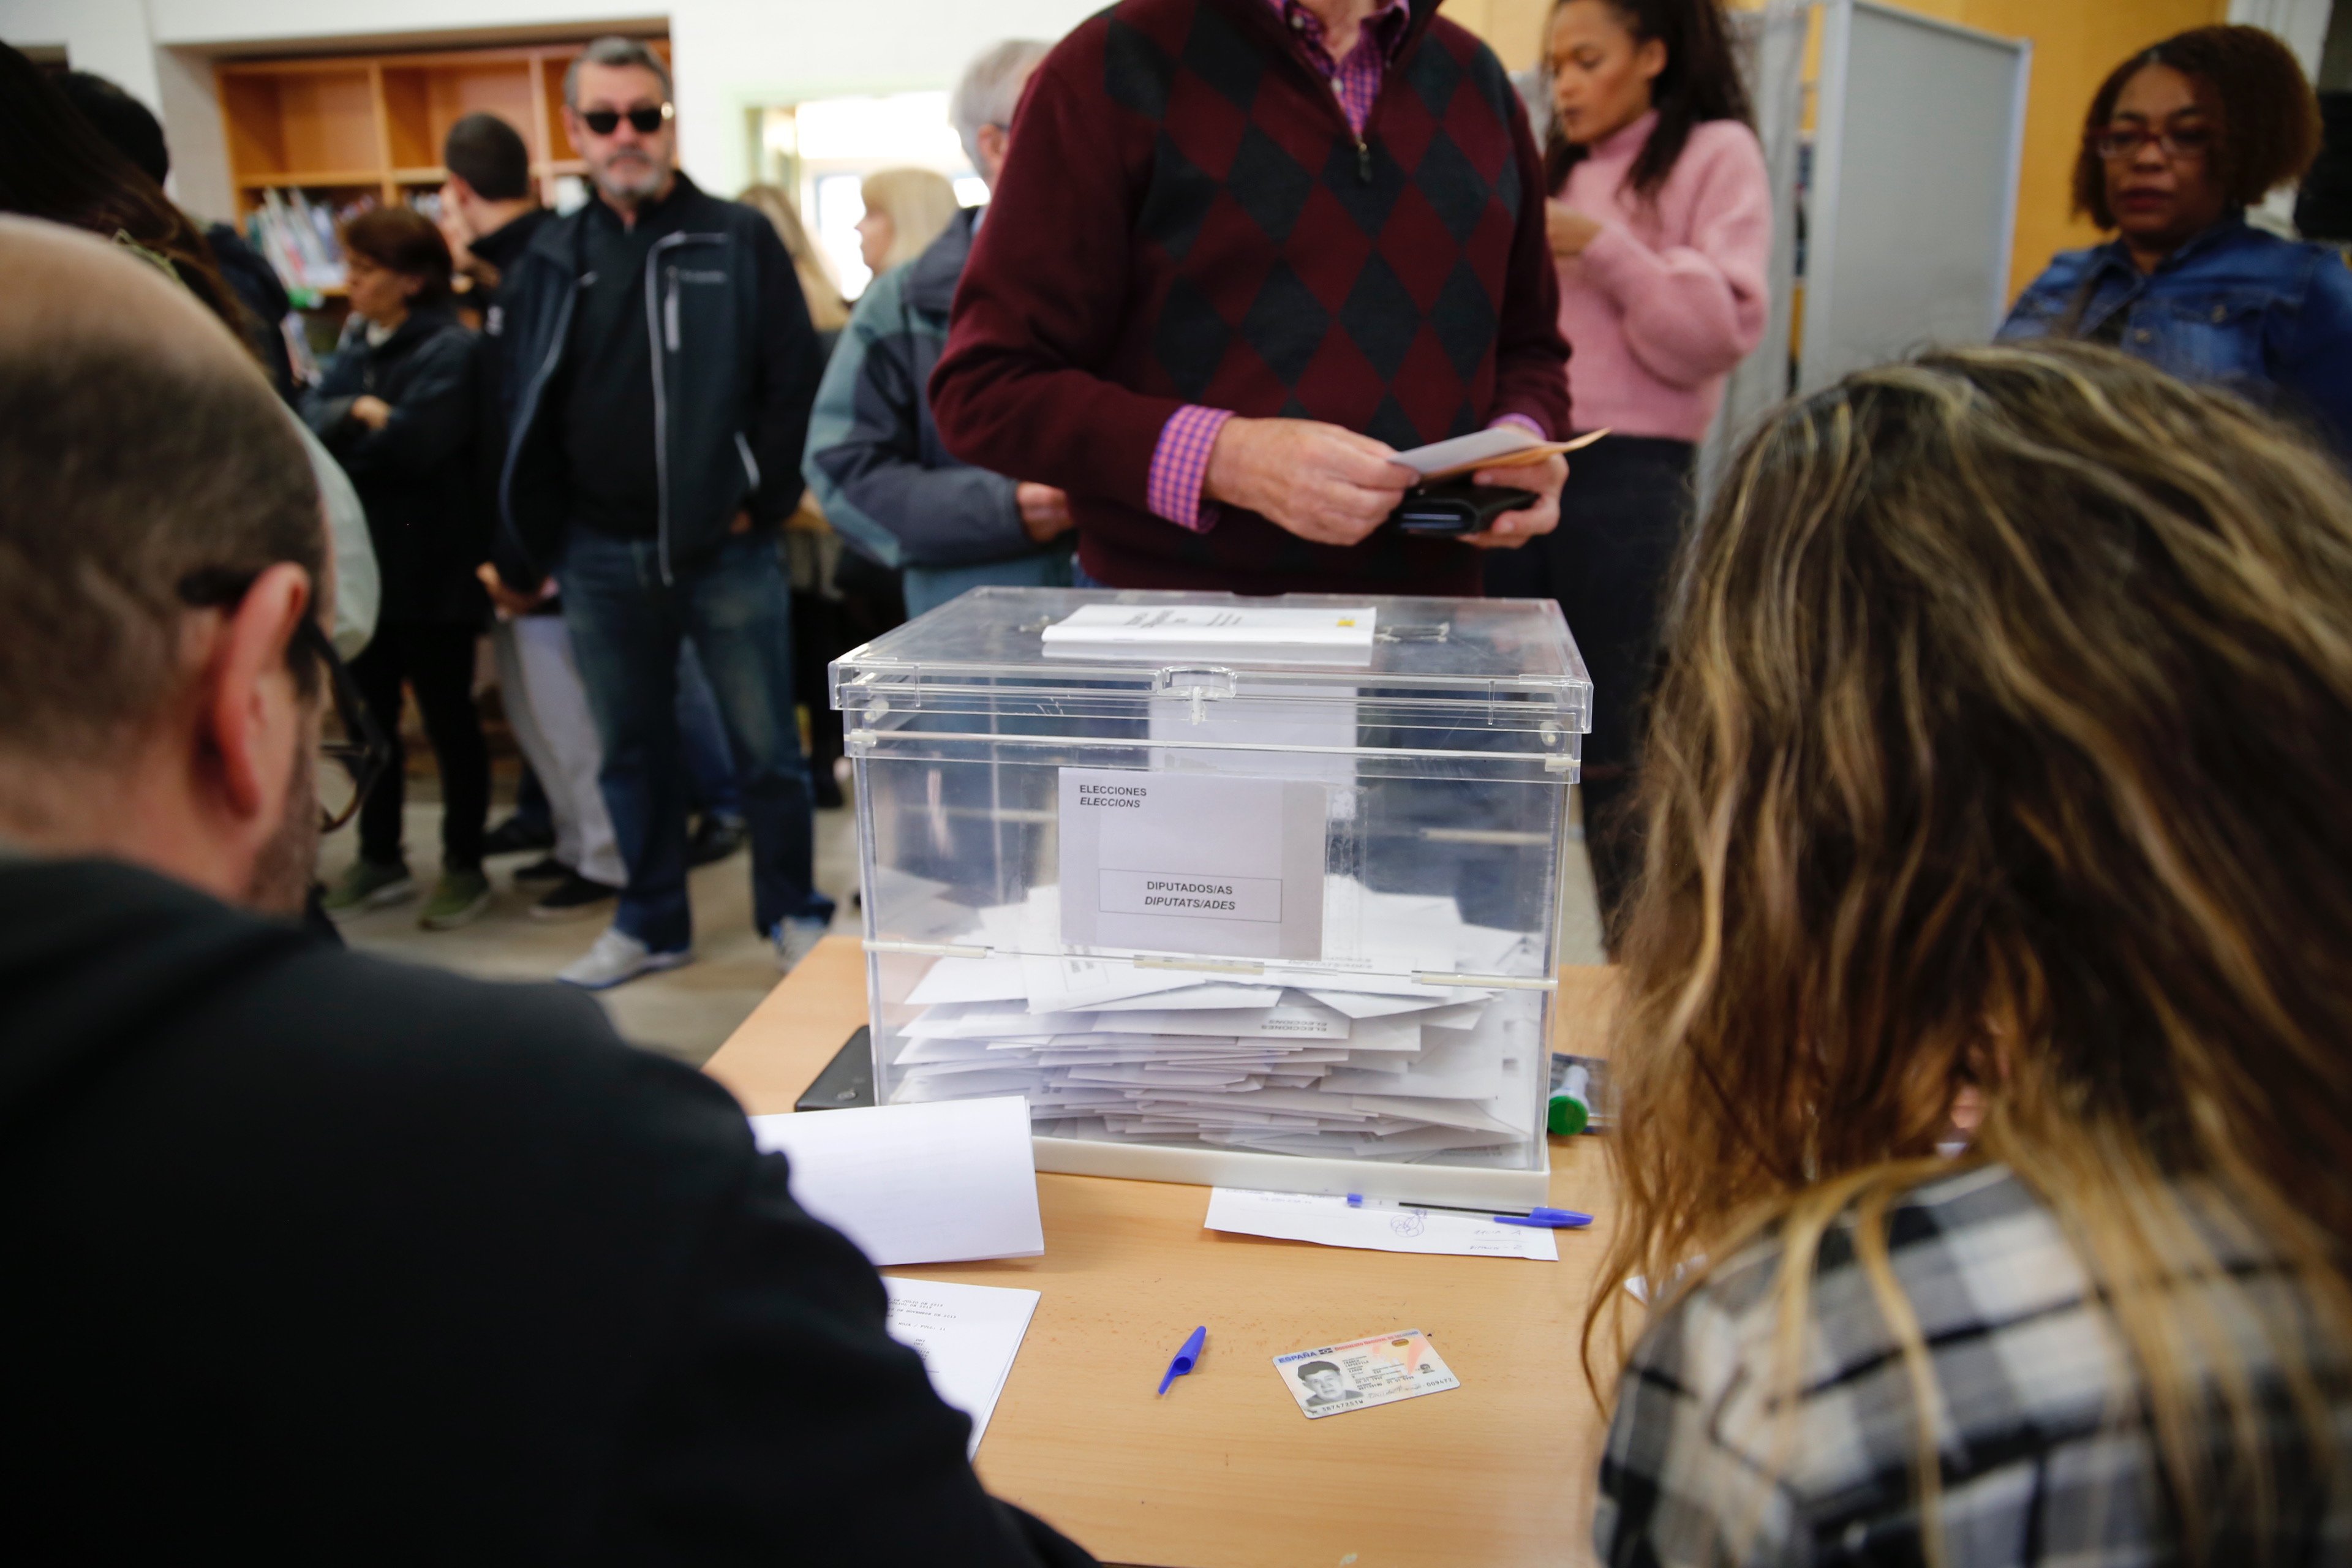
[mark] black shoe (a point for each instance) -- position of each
(714, 839)
(547, 869)
(573, 898)
(516, 836)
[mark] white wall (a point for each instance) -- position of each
(731, 56)
(108, 36)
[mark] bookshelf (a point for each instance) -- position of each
(349, 130)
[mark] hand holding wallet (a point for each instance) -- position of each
(1447, 504)
(1452, 507)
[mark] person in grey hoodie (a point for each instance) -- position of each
(875, 462)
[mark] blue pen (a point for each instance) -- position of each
(1537, 1219)
(1186, 1358)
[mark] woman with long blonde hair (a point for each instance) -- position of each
(2000, 780)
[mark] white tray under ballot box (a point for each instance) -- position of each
(1251, 893)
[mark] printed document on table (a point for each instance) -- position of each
(967, 1336)
(935, 1183)
(1330, 1221)
(1345, 628)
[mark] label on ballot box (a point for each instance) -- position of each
(1379, 1370)
(1198, 863)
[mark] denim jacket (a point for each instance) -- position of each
(2268, 318)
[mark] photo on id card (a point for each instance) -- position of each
(1379, 1370)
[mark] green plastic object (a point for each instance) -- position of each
(1569, 1116)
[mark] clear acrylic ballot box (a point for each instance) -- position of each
(1251, 892)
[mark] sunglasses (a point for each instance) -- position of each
(644, 122)
(361, 754)
(2117, 143)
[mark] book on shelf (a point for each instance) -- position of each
(298, 236)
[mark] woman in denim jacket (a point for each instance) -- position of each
(2180, 139)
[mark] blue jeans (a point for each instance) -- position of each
(626, 627)
(710, 787)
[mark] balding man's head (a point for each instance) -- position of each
(139, 449)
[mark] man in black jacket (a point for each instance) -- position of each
(308, 1254)
(491, 215)
(654, 434)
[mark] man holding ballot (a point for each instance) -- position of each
(1246, 253)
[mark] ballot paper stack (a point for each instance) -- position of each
(1349, 1058)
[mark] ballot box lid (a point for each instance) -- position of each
(1494, 663)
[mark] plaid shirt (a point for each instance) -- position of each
(2027, 1372)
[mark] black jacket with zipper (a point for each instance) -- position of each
(316, 1257)
(735, 370)
(417, 477)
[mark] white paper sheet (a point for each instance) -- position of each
(1123, 626)
(1329, 1221)
(967, 1336)
(1477, 446)
(918, 1184)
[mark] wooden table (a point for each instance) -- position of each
(1225, 1471)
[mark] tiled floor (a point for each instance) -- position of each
(688, 1012)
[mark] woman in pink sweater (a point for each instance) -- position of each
(1660, 221)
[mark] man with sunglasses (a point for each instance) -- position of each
(666, 366)
(307, 1251)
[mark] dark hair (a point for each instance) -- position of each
(403, 240)
(488, 154)
(1701, 82)
(127, 469)
(1315, 1367)
(613, 51)
(54, 166)
(2269, 121)
(129, 126)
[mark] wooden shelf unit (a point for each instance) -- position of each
(372, 124)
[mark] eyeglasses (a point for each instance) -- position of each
(2183, 143)
(644, 122)
(360, 753)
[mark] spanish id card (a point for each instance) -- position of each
(1379, 1370)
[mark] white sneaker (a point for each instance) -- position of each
(796, 940)
(617, 957)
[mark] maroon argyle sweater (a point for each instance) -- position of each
(1187, 218)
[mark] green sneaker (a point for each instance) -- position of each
(367, 886)
(458, 898)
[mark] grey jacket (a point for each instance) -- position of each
(875, 463)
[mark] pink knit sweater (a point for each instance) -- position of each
(1670, 296)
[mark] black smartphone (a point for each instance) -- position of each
(847, 1080)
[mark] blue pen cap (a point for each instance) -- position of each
(1187, 1357)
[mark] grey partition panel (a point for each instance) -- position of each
(1913, 201)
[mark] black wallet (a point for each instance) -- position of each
(1456, 507)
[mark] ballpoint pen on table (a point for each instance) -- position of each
(1538, 1218)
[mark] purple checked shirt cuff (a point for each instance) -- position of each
(1179, 467)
